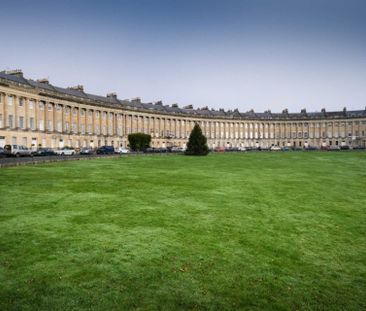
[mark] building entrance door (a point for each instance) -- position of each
(34, 143)
(2, 141)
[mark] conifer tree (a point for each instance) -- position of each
(197, 143)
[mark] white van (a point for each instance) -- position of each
(17, 150)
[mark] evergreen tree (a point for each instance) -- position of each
(197, 143)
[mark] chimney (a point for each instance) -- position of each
(44, 81)
(112, 95)
(159, 103)
(16, 72)
(77, 88)
(175, 106)
(136, 99)
(303, 111)
(323, 110)
(188, 107)
(285, 111)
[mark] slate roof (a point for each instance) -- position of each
(80, 95)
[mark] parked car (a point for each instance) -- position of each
(311, 148)
(219, 149)
(105, 150)
(44, 152)
(2, 152)
(162, 150)
(325, 148)
(275, 148)
(177, 149)
(150, 150)
(121, 150)
(285, 149)
(86, 151)
(334, 148)
(65, 151)
(345, 147)
(17, 151)
(242, 149)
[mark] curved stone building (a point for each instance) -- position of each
(36, 113)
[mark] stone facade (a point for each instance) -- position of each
(36, 113)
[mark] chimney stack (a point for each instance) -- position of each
(16, 72)
(136, 99)
(44, 81)
(77, 88)
(112, 95)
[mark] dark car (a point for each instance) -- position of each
(2, 152)
(149, 150)
(44, 152)
(345, 147)
(162, 150)
(105, 150)
(309, 148)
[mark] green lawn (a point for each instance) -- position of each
(253, 231)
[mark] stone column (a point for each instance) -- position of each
(26, 114)
(5, 111)
(15, 109)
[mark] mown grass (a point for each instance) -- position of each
(254, 231)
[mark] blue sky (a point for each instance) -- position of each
(229, 54)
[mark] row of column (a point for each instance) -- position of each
(36, 115)
(46, 116)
